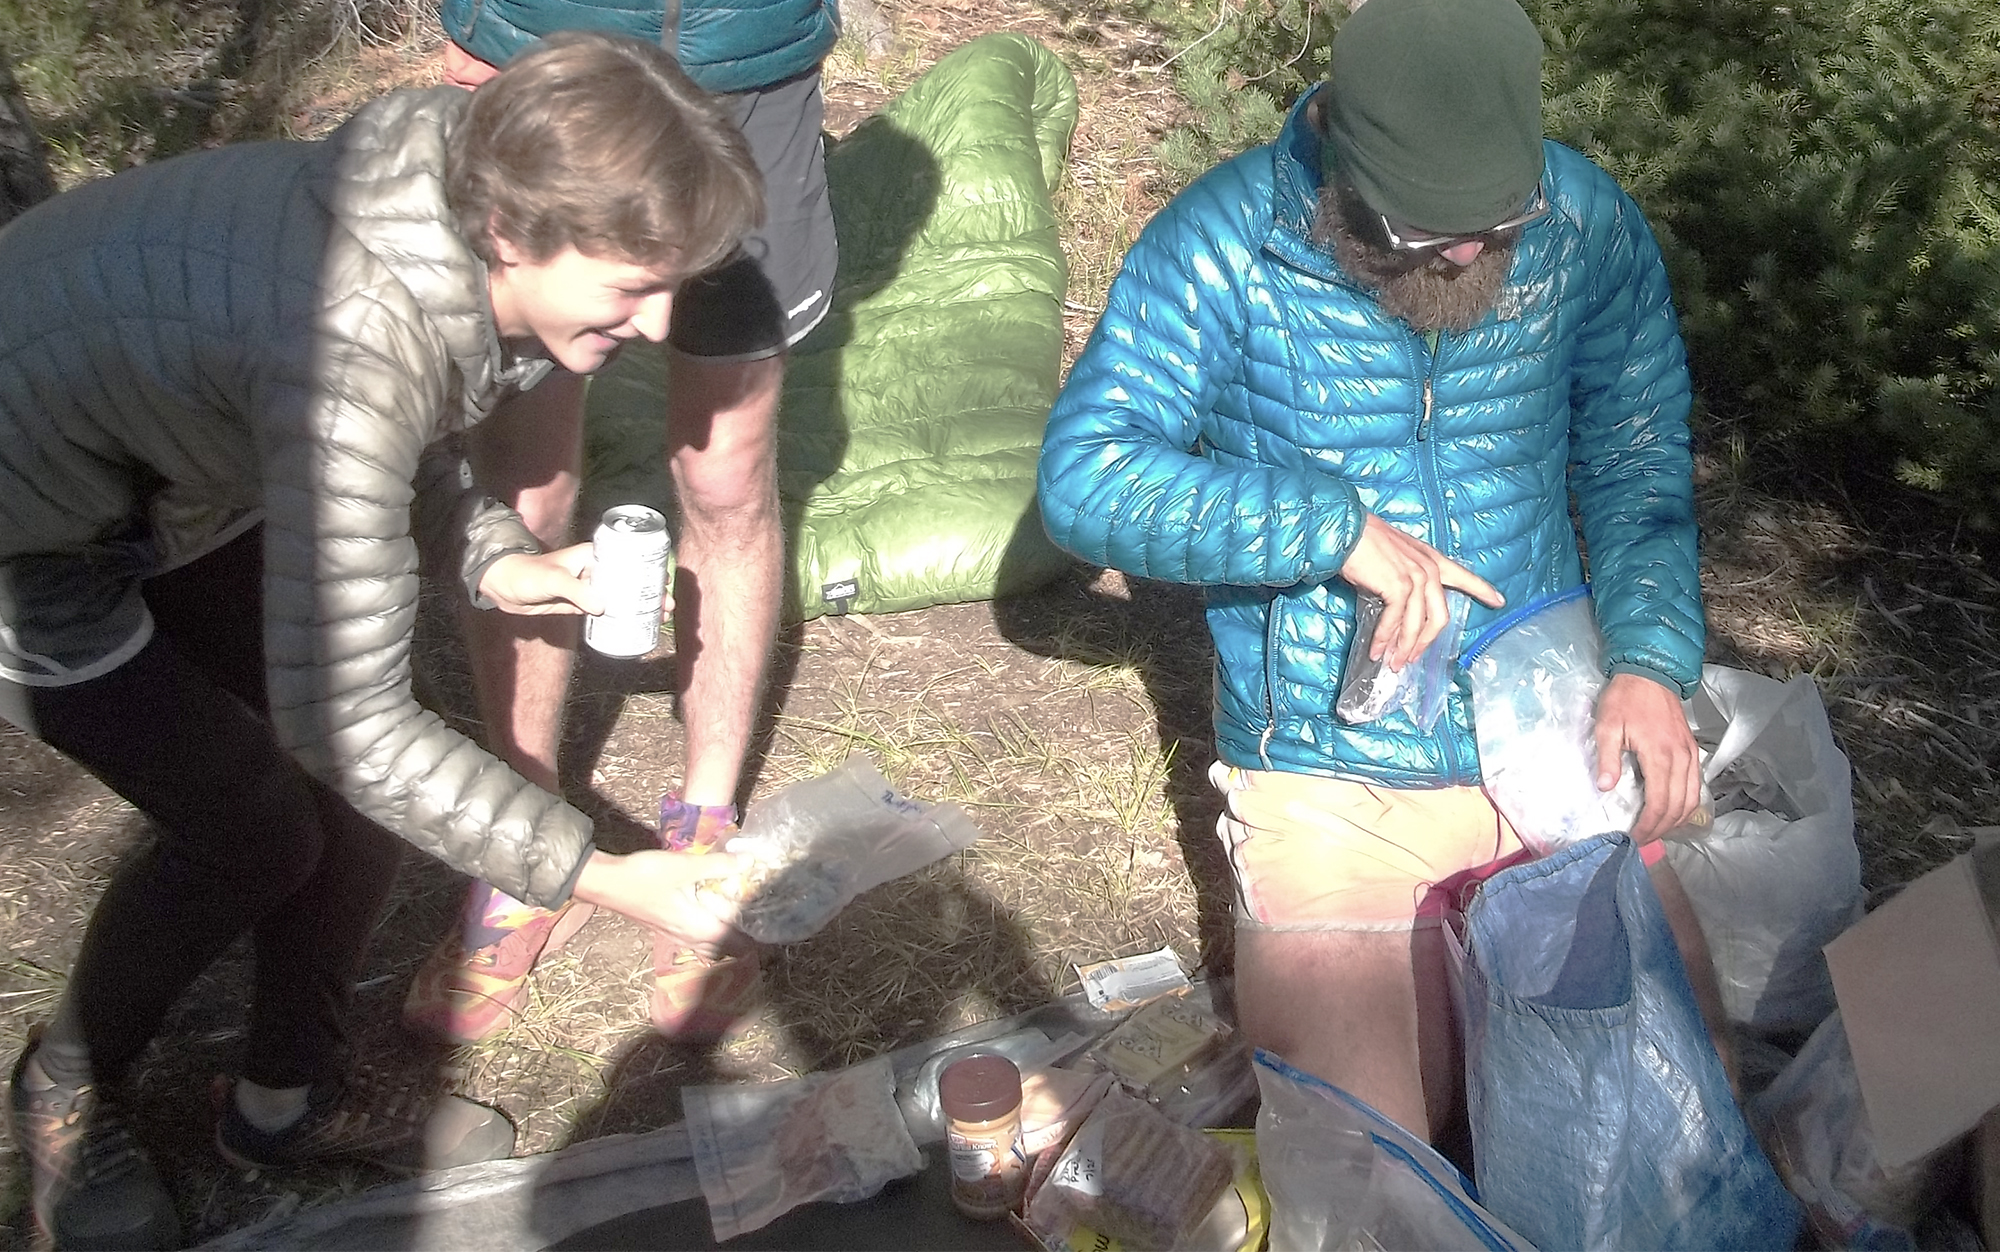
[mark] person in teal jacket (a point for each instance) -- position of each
(1382, 355)
(732, 329)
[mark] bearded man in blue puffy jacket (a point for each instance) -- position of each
(1381, 355)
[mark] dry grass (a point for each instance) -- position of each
(1896, 620)
(1071, 724)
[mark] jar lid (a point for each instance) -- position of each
(979, 1088)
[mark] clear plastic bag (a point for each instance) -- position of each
(1341, 1176)
(1133, 1175)
(817, 844)
(1370, 690)
(763, 1149)
(1536, 674)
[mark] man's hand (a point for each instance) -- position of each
(1643, 717)
(540, 585)
(1410, 576)
(657, 888)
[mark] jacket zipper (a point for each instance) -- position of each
(1270, 682)
(1434, 505)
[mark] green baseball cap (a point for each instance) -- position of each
(1434, 111)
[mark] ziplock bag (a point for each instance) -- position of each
(1601, 1116)
(817, 844)
(1370, 690)
(1536, 674)
(1777, 877)
(1342, 1176)
(763, 1149)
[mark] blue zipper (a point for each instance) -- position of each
(1270, 681)
(1498, 626)
(1428, 476)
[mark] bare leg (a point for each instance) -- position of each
(1700, 965)
(1368, 1011)
(528, 454)
(721, 450)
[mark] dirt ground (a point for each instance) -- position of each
(1071, 724)
(998, 707)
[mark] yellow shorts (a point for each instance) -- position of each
(1313, 853)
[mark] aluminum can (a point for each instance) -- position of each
(632, 558)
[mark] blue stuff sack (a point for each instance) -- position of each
(1601, 1115)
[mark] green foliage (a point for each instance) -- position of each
(1238, 66)
(1824, 177)
(1825, 181)
(116, 83)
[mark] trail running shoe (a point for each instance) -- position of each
(476, 983)
(376, 1117)
(697, 997)
(92, 1186)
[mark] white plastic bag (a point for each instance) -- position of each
(1777, 877)
(817, 844)
(1536, 674)
(1342, 1177)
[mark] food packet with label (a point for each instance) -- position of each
(1164, 1038)
(763, 1149)
(1134, 1175)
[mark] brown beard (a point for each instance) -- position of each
(1424, 289)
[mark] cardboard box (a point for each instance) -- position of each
(1986, 1177)
(1918, 982)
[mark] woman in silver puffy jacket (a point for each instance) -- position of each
(229, 389)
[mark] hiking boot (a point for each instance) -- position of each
(697, 997)
(700, 998)
(92, 1186)
(476, 983)
(373, 1117)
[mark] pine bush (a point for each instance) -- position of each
(1824, 177)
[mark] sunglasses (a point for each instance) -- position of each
(1407, 240)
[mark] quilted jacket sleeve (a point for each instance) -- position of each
(345, 421)
(1122, 479)
(1631, 466)
(460, 528)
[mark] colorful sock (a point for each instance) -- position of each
(688, 827)
(490, 914)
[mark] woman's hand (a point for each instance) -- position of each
(657, 888)
(541, 584)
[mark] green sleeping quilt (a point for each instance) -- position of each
(912, 416)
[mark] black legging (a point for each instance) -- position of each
(246, 839)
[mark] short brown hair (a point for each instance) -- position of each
(602, 143)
